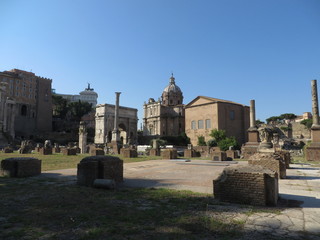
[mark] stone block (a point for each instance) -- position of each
(69, 151)
(189, 153)
(249, 149)
(37, 149)
(45, 151)
(218, 156)
(247, 184)
(8, 150)
(56, 149)
(232, 154)
(99, 167)
(312, 152)
(21, 167)
(154, 152)
(169, 154)
(97, 152)
(128, 153)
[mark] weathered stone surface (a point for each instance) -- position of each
(169, 153)
(154, 152)
(45, 151)
(272, 161)
(219, 156)
(69, 151)
(189, 153)
(232, 154)
(8, 150)
(96, 152)
(99, 167)
(247, 185)
(21, 167)
(128, 153)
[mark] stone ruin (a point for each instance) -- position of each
(47, 148)
(128, 153)
(169, 153)
(95, 168)
(26, 147)
(271, 161)
(247, 184)
(20, 167)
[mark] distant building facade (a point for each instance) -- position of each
(88, 95)
(204, 114)
(165, 117)
(104, 124)
(29, 98)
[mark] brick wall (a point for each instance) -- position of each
(247, 185)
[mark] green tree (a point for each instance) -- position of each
(288, 116)
(78, 109)
(60, 106)
(259, 122)
(275, 119)
(218, 135)
(201, 141)
(224, 144)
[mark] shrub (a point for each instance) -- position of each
(212, 143)
(228, 142)
(218, 135)
(201, 141)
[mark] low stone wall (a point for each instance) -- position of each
(20, 167)
(272, 161)
(99, 167)
(128, 153)
(232, 154)
(69, 151)
(7, 150)
(169, 153)
(190, 153)
(248, 184)
(249, 150)
(56, 150)
(203, 151)
(286, 157)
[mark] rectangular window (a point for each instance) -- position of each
(232, 115)
(193, 125)
(200, 124)
(208, 123)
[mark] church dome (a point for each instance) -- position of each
(89, 91)
(172, 94)
(172, 87)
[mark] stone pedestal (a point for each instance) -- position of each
(56, 150)
(154, 152)
(20, 167)
(189, 153)
(99, 167)
(128, 153)
(169, 154)
(97, 152)
(69, 151)
(232, 154)
(45, 151)
(218, 156)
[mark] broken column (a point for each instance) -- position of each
(115, 141)
(313, 150)
(83, 137)
(252, 145)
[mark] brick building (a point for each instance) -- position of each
(31, 100)
(204, 114)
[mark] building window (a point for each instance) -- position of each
(208, 123)
(193, 125)
(200, 124)
(232, 115)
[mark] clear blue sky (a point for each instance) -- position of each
(230, 49)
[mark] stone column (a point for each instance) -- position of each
(115, 132)
(82, 137)
(315, 107)
(252, 114)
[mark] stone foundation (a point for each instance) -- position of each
(312, 152)
(20, 167)
(7, 150)
(128, 153)
(271, 161)
(69, 151)
(99, 167)
(190, 153)
(248, 184)
(232, 154)
(249, 150)
(56, 150)
(169, 154)
(202, 151)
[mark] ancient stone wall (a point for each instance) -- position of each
(128, 153)
(247, 185)
(169, 153)
(21, 167)
(271, 161)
